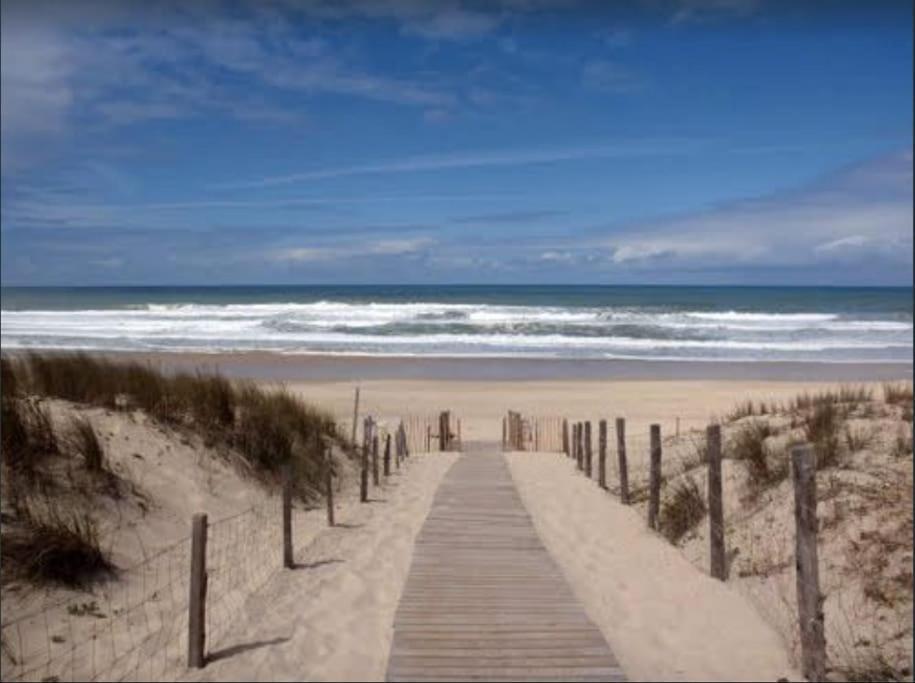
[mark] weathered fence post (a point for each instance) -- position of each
(588, 449)
(579, 445)
(387, 455)
(428, 438)
(602, 454)
(355, 416)
(809, 600)
(444, 430)
(196, 623)
(287, 516)
(364, 473)
(460, 442)
(329, 467)
(503, 435)
(565, 436)
(375, 457)
(621, 459)
(715, 502)
(654, 480)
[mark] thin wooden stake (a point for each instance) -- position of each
(355, 416)
(588, 449)
(809, 599)
(375, 459)
(287, 517)
(654, 483)
(565, 437)
(621, 459)
(196, 624)
(602, 454)
(387, 455)
(715, 503)
(329, 468)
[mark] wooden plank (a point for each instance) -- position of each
(484, 600)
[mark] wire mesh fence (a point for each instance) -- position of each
(135, 627)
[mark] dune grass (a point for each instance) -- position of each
(269, 429)
(683, 510)
(52, 547)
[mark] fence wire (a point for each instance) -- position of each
(134, 627)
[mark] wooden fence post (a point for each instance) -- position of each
(329, 467)
(375, 457)
(809, 600)
(602, 454)
(621, 459)
(460, 442)
(565, 436)
(196, 623)
(579, 446)
(387, 455)
(428, 438)
(654, 482)
(588, 449)
(287, 516)
(364, 475)
(355, 416)
(715, 503)
(444, 430)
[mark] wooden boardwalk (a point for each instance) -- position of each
(484, 600)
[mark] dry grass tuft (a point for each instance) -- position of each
(27, 436)
(683, 510)
(84, 443)
(749, 445)
(897, 394)
(54, 548)
(822, 430)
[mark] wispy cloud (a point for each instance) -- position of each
(481, 158)
(380, 248)
(863, 212)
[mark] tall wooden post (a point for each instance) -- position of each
(329, 482)
(444, 430)
(809, 599)
(196, 623)
(355, 416)
(588, 449)
(364, 473)
(602, 454)
(387, 455)
(287, 516)
(715, 502)
(375, 457)
(565, 436)
(654, 482)
(579, 445)
(621, 459)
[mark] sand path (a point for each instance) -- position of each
(663, 618)
(484, 600)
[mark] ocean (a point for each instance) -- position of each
(847, 324)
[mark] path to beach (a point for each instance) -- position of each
(484, 600)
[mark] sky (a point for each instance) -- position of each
(419, 141)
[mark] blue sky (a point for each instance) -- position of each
(689, 141)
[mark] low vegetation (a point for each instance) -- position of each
(55, 467)
(269, 429)
(682, 510)
(52, 547)
(863, 444)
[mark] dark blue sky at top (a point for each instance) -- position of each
(724, 141)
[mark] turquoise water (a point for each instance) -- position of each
(695, 323)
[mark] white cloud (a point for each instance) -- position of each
(381, 248)
(864, 212)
